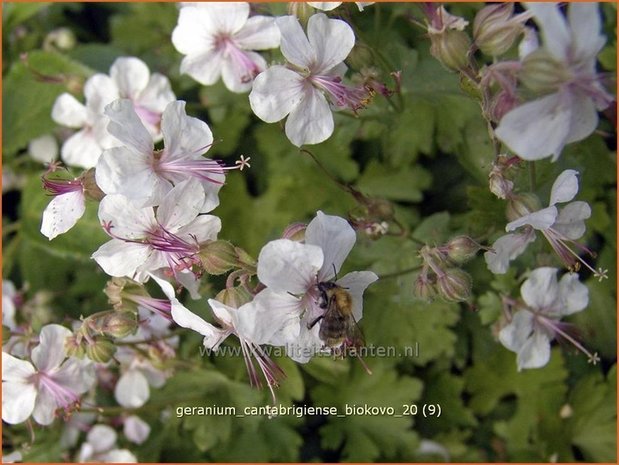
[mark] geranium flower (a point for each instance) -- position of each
(219, 39)
(67, 206)
(568, 112)
(537, 323)
(560, 228)
(145, 175)
(129, 78)
(100, 446)
(293, 268)
(50, 382)
(145, 241)
(328, 6)
(305, 88)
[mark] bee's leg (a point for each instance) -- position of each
(313, 323)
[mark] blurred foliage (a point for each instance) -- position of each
(427, 151)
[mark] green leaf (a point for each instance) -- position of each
(29, 100)
(400, 184)
(14, 14)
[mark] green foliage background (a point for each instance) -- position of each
(430, 155)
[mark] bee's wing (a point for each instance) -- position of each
(355, 337)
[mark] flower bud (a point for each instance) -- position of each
(119, 324)
(218, 257)
(100, 350)
(451, 47)
(522, 204)
(461, 249)
(301, 10)
(74, 347)
(295, 232)
(541, 73)
(495, 29)
(425, 287)
(380, 209)
(455, 285)
(234, 296)
(61, 38)
(500, 186)
(91, 189)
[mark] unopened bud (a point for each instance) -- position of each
(234, 296)
(501, 103)
(73, 347)
(380, 209)
(425, 287)
(301, 10)
(119, 324)
(62, 38)
(451, 47)
(91, 189)
(75, 84)
(500, 186)
(542, 73)
(521, 205)
(218, 257)
(495, 28)
(455, 285)
(461, 249)
(100, 350)
(295, 232)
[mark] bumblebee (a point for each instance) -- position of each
(338, 324)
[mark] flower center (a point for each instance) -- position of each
(246, 69)
(340, 94)
(63, 396)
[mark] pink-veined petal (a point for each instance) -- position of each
(288, 266)
(203, 228)
(62, 213)
(45, 406)
(128, 221)
(235, 75)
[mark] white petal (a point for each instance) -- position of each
(119, 258)
(82, 149)
(554, 28)
(356, 283)
(45, 406)
(585, 24)
(102, 438)
(128, 221)
(204, 67)
(575, 295)
(529, 42)
(16, 370)
(157, 94)
(227, 17)
(121, 171)
(203, 228)
(584, 118)
(294, 44)
(43, 149)
(275, 93)
(565, 187)
(76, 375)
(235, 74)
(50, 352)
(131, 76)
(507, 248)
(324, 6)
(535, 353)
(570, 221)
(100, 90)
(541, 290)
(311, 122)
(288, 266)
(540, 220)
(17, 400)
(258, 33)
(307, 345)
(119, 456)
(184, 136)
(181, 205)
(132, 389)
(62, 213)
(194, 34)
(537, 129)
(135, 429)
(69, 112)
(515, 334)
(335, 237)
(331, 39)
(127, 127)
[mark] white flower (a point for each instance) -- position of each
(100, 446)
(50, 382)
(10, 297)
(146, 176)
(328, 6)
(218, 40)
(261, 321)
(145, 241)
(542, 127)
(560, 228)
(132, 389)
(66, 208)
(288, 267)
(315, 70)
(130, 79)
(533, 327)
